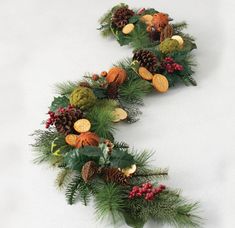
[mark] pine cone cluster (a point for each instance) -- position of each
(146, 59)
(121, 16)
(66, 118)
(114, 175)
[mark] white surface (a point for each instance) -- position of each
(191, 128)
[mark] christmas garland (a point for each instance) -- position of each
(79, 135)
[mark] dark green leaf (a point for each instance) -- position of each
(121, 159)
(59, 102)
(134, 19)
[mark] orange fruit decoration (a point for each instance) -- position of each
(84, 139)
(116, 75)
(160, 20)
(160, 83)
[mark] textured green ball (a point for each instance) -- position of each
(169, 45)
(82, 97)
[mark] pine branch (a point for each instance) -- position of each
(78, 189)
(101, 117)
(63, 178)
(109, 201)
(42, 145)
(66, 88)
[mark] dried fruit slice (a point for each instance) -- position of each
(82, 125)
(128, 28)
(145, 74)
(147, 19)
(120, 114)
(160, 83)
(128, 171)
(71, 139)
(179, 39)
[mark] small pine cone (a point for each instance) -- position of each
(66, 119)
(146, 59)
(167, 32)
(112, 90)
(85, 84)
(114, 175)
(121, 16)
(89, 170)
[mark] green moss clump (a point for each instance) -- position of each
(169, 45)
(82, 97)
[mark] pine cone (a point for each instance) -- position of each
(114, 175)
(167, 32)
(66, 119)
(146, 59)
(121, 16)
(89, 170)
(112, 91)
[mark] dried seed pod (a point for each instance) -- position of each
(89, 170)
(114, 175)
(104, 73)
(160, 83)
(167, 32)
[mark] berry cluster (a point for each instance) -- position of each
(147, 190)
(54, 115)
(171, 66)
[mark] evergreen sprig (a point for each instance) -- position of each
(109, 201)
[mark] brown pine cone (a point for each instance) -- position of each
(146, 59)
(89, 170)
(121, 16)
(65, 120)
(114, 175)
(167, 32)
(112, 91)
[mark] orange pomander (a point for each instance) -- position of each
(84, 139)
(116, 75)
(160, 20)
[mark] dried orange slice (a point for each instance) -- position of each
(160, 83)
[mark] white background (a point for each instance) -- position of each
(191, 128)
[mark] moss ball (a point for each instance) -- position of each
(169, 45)
(82, 97)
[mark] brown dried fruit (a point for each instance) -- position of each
(160, 20)
(104, 73)
(116, 75)
(84, 139)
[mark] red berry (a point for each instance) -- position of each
(163, 187)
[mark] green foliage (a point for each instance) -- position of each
(168, 207)
(59, 102)
(178, 27)
(109, 201)
(77, 189)
(120, 145)
(63, 178)
(121, 159)
(133, 90)
(101, 117)
(76, 158)
(66, 88)
(42, 145)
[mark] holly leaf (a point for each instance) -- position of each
(121, 159)
(59, 102)
(91, 151)
(76, 158)
(134, 19)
